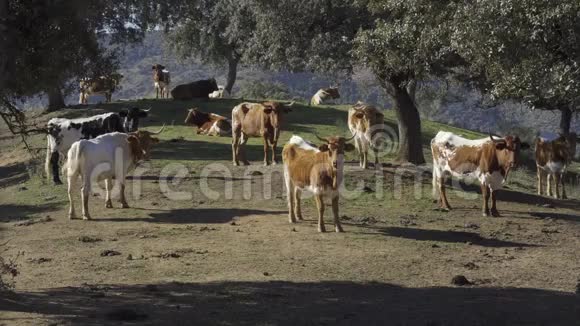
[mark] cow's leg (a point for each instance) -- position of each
(86, 189)
(54, 164)
(71, 211)
(108, 97)
(235, 145)
(320, 206)
(242, 149)
(266, 162)
(376, 151)
(297, 199)
(485, 194)
(365, 163)
(557, 179)
(337, 226)
(539, 176)
(548, 184)
(443, 194)
(494, 211)
(562, 179)
(109, 186)
(157, 93)
(274, 157)
(123, 199)
(290, 194)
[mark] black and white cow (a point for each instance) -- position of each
(62, 133)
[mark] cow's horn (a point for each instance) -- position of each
(160, 130)
(320, 138)
(494, 140)
(149, 109)
(349, 139)
(290, 104)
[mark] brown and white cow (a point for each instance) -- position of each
(161, 81)
(103, 85)
(554, 153)
(488, 159)
(315, 169)
(257, 120)
(208, 123)
(364, 122)
(324, 94)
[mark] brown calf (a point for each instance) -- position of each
(553, 155)
(208, 123)
(319, 170)
(257, 120)
(487, 159)
(364, 122)
(161, 81)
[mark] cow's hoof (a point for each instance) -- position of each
(266, 163)
(321, 230)
(72, 216)
(57, 182)
(108, 204)
(274, 162)
(495, 213)
(485, 213)
(300, 218)
(246, 163)
(124, 205)
(86, 217)
(564, 197)
(236, 164)
(338, 229)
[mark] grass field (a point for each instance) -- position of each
(205, 242)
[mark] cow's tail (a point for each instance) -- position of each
(48, 155)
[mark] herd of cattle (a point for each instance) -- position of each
(113, 144)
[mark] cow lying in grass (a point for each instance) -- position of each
(319, 170)
(208, 123)
(107, 157)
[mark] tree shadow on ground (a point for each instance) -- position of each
(289, 303)
(195, 215)
(447, 236)
(12, 175)
(10, 213)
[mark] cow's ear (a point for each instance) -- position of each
(525, 146)
(142, 114)
(359, 115)
(348, 147)
(268, 109)
(323, 148)
(245, 109)
(153, 68)
(500, 145)
(123, 113)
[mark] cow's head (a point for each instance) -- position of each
(196, 117)
(368, 115)
(135, 147)
(333, 92)
(335, 147)
(131, 118)
(158, 72)
(275, 111)
(146, 140)
(213, 84)
(508, 150)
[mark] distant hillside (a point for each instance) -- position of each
(457, 107)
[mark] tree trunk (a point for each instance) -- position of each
(565, 120)
(232, 74)
(410, 139)
(55, 100)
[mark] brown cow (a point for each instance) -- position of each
(319, 170)
(208, 123)
(553, 155)
(103, 85)
(364, 122)
(487, 159)
(161, 81)
(257, 120)
(146, 141)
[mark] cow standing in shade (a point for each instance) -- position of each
(318, 170)
(554, 153)
(365, 122)
(103, 85)
(108, 157)
(487, 159)
(197, 89)
(324, 95)
(257, 120)
(161, 81)
(208, 123)
(62, 133)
